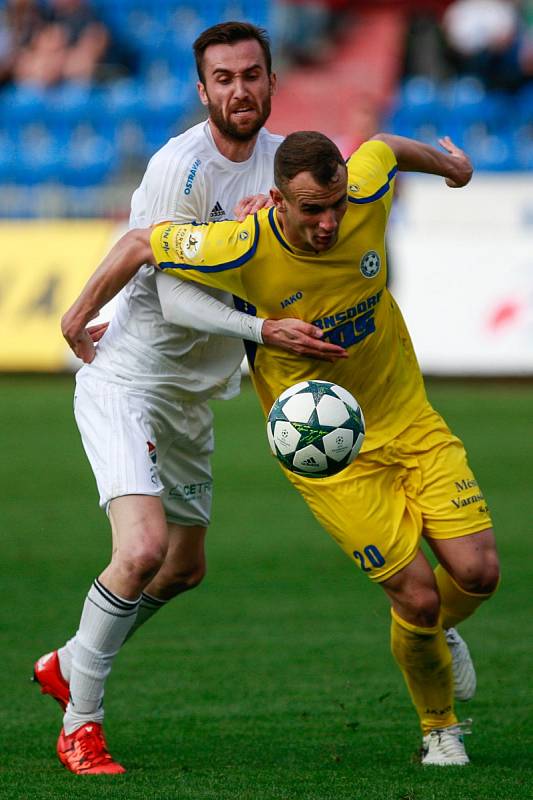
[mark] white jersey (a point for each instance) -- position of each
(187, 180)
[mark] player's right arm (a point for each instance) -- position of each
(122, 262)
(217, 255)
(187, 304)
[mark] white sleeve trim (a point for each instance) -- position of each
(190, 306)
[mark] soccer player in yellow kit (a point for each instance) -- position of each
(319, 254)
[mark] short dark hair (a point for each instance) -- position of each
(306, 151)
(230, 33)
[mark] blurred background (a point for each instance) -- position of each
(90, 89)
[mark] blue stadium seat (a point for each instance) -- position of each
(493, 152)
(124, 99)
(90, 158)
(39, 155)
(467, 101)
(22, 104)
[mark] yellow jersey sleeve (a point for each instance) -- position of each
(371, 173)
(213, 254)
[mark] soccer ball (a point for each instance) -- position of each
(315, 428)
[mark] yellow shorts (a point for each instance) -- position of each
(418, 484)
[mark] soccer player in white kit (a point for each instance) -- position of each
(141, 402)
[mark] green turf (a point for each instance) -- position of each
(273, 680)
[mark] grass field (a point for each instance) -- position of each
(274, 680)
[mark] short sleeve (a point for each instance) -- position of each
(371, 173)
(173, 188)
(214, 254)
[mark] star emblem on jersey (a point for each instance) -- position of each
(370, 264)
(217, 212)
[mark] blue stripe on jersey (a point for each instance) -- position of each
(277, 234)
(237, 262)
(249, 347)
(380, 192)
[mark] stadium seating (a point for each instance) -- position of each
(78, 136)
(496, 128)
(81, 137)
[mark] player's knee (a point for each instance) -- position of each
(422, 607)
(479, 575)
(185, 579)
(481, 578)
(144, 561)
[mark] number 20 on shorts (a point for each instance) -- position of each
(370, 558)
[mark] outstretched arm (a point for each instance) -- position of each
(414, 156)
(120, 264)
(190, 305)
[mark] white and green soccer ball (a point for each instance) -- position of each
(315, 428)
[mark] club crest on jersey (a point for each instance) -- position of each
(191, 244)
(370, 264)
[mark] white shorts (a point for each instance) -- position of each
(138, 443)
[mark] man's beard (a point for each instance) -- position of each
(233, 131)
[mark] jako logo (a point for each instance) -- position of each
(292, 299)
(191, 177)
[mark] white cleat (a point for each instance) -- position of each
(464, 673)
(444, 747)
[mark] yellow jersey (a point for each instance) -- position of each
(341, 290)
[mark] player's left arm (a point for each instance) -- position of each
(413, 156)
(121, 263)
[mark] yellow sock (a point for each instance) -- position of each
(455, 604)
(425, 661)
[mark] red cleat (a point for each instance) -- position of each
(47, 673)
(85, 752)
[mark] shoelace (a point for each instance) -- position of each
(92, 748)
(451, 739)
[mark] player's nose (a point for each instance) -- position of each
(328, 221)
(240, 89)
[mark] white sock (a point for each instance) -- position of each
(105, 622)
(148, 606)
(65, 655)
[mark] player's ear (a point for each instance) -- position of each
(277, 199)
(273, 83)
(202, 93)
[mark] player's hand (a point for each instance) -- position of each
(78, 338)
(302, 338)
(462, 167)
(251, 204)
(97, 331)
